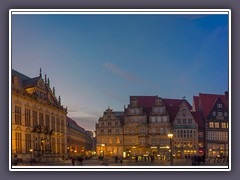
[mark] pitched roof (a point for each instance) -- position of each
(172, 105)
(69, 120)
(198, 118)
(145, 101)
(207, 102)
(195, 103)
(31, 82)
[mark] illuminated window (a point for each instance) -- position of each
(211, 125)
(220, 113)
(224, 125)
(216, 124)
(18, 137)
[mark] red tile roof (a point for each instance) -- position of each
(172, 105)
(195, 103)
(199, 120)
(207, 101)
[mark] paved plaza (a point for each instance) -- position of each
(111, 162)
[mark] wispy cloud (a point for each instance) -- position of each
(126, 75)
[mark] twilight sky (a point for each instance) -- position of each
(96, 61)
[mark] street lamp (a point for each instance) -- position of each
(170, 136)
(31, 150)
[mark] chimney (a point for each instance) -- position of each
(226, 95)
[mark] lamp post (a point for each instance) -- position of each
(170, 136)
(31, 151)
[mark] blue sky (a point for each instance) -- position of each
(96, 61)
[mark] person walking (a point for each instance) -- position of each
(73, 161)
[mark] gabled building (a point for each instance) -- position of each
(185, 131)
(214, 110)
(109, 134)
(38, 120)
(135, 129)
(199, 120)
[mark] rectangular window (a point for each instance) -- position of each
(58, 125)
(53, 145)
(58, 145)
(164, 119)
(47, 119)
(179, 121)
(27, 117)
(62, 126)
(159, 119)
(189, 121)
(102, 130)
(18, 137)
(116, 123)
(220, 113)
(154, 130)
(35, 118)
(214, 113)
(211, 125)
(184, 121)
(63, 146)
(41, 120)
(224, 125)
(216, 124)
(53, 123)
(28, 143)
(153, 119)
(153, 141)
(109, 123)
(219, 105)
(109, 130)
(161, 130)
(18, 119)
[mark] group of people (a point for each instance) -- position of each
(196, 159)
(78, 159)
(116, 160)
